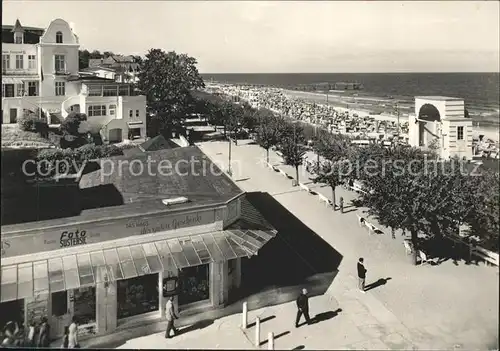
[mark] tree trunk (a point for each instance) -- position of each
(267, 155)
(334, 199)
(414, 242)
(297, 174)
(225, 134)
(393, 232)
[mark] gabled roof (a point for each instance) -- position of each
(17, 27)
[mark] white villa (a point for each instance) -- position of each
(40, 70)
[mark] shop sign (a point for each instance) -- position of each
(91, 233)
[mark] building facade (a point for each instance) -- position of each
(113, 267)
(40, 71)
(123, 69)
(440, 123)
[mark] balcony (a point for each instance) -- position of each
(19, 71)
(61, 72)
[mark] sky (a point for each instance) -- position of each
(286, 36)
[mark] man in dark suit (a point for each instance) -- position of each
(302, 308)
(361, 275)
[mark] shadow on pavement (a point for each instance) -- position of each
(196, 326)
(261, 321)
(321, 317)
(300, 347)
(296, 258)
(277, 336)
(351, 210)
(378, 283)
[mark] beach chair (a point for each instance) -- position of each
(423, 258)
(408, 247)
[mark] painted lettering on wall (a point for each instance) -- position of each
(175, 223)
(5, 246)
(73, 238)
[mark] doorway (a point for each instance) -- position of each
(13, 115)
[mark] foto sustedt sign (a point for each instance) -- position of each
(91, 233)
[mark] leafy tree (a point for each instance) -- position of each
(267, 132)
(96, 54)
(107, 54)
(333, 174)
(83, 59)
(167, 80)
(292, 146)
(75, 124)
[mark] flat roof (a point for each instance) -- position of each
(438, 98)
(112, 189)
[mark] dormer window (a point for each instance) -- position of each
(59, 37)
(18, 37)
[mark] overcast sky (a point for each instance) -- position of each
(279, 36)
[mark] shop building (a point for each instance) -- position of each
(136, 239)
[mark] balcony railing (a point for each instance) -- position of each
(20, 71)
(61, 72)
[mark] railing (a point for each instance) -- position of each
(20, 71)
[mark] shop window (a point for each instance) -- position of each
(12, 311)
(84, 307)
(138, 296)
(59, 303)
(194, 284)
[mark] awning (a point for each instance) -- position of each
(7, 80)
(86, 269)
(135, 124)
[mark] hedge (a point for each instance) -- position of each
(74, 158)
(33, 123)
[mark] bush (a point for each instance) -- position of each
(30, 122)
(71, 124)
(75, 158)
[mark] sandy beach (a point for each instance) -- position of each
(492, 132)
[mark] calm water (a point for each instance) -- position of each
(479, 90)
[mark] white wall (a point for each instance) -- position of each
(20, 49)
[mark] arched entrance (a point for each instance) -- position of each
(427, 113)
(115, 135)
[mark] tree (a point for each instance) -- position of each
(167, 80)
(429, 198)
(96, 54)
(83, 59)
(292, 146)
(267, 132)
(107, 54)
(75, 124)
(333, 174)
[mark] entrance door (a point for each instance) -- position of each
(115, 135)
(13, 115)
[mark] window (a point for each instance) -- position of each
(7, 90)
(60, 88)
(32, 89)
(19, 61)
(130, 113)
(194, 284)
(60, 63)
(96, 110)
(59, 303)
(19, 89)
(59, 37)
(84, 305)
(112, 110)
(460, 133)
(11, 311)
(110, 90)
(31, 61)
(137, 113)
(18, 38)
(138, 296)
(6, 61)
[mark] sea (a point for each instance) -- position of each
(480, 91)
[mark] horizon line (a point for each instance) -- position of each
(450, 72)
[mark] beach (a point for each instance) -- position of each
(335, 100)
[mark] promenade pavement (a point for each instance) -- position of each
(420, 307)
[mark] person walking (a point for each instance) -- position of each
(30, 340)
(65, 343)
(44, 333)
(302, 308)
(341, 204)
(361, 274)
(170, 316)
(73, 334)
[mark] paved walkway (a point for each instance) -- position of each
(420, 307)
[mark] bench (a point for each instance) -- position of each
(489, 257)
(324, 199)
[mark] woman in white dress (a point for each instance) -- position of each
(73, 334)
